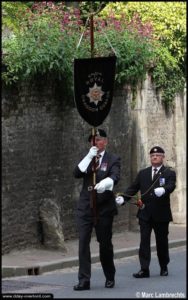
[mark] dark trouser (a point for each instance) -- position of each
(103, 231)
(161, 236)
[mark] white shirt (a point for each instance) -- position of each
(158, 168)
(101, 157)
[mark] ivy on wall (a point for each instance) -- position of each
(48, 35)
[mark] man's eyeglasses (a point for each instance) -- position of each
(156, 154)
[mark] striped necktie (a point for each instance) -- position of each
(97, 161)
(154, 174)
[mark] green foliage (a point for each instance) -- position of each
(86, 7)
(167, 75)
(133, 52)
(34, 51)
(46, 43)
(12, 13)
(40, 47)
(167, 18)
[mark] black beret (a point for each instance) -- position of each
(99, 133)
(156, 149)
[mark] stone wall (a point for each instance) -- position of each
(43, 137)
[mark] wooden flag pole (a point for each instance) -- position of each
(93, 132)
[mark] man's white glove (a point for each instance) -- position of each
(105, 184)
(92, 152)
(120, 200)
(87, 159)
(159, 191)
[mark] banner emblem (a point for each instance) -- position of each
(93, 87)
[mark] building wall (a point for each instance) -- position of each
(43, 138)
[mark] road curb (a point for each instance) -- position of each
(36, 269)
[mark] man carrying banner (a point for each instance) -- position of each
(107, 175)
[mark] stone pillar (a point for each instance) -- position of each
(178, 201)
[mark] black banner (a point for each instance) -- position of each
(93, 87)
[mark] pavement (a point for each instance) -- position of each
(34, 261)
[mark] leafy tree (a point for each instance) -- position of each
(47, 43)
(167, 18)
(47, 40)
(13, 13)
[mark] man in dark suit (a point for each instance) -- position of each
(155, 184)
(107, 175)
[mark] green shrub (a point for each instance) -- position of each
(167, 75)
(47, 44)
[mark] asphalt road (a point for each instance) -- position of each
(60, 283)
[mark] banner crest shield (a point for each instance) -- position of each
(93, 87)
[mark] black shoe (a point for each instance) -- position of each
(109, 283)
(164, 271)
(142, 274)
(82, 286)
